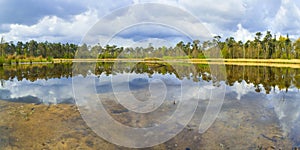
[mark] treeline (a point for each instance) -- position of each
(36, 49)
(262, 47)
(266, 46)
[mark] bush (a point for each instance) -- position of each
(9, 61)
(2, 60)
(11, 57)
(21, 57)
(284, 56)
(40, 58)
(17, 61)
(50, 59)
(201, 56)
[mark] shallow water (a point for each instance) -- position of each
(260, 107)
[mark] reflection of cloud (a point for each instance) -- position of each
(4, 93)
(286, 106)
(241, 88)
(47, 91)
(176, 89)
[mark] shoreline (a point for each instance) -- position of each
(292, 63)
(287, 61)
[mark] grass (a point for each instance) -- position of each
(295, 63)
(10, 60)
(292, 63)
(184, 59)
(152, 59)
(175, 57)
(252, 60)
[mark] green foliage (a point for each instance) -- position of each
(177, 57)
(225, 51)
(201, 56)
(9, 61)
(264, 46)
(152, 59)
(297, 48)
(50, 59)
(2, 61)
(267, 47)
(17, 61)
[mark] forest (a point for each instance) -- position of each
(265, 46)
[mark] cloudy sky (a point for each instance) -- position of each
(72, 20)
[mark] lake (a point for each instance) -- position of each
(43, 106)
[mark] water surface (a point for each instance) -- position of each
(260, 109)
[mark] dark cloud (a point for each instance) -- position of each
(30, 11)
(145, 31)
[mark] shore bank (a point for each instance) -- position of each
(293, 63)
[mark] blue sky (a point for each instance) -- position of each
(70, 20)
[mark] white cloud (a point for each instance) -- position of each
(287, 19)
(224, 14)
(240, 19)
(54, 29)
(243, 34)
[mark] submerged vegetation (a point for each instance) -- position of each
(262, 47)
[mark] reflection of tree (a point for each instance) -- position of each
(2, 82)
(296, 78)
(35, 72)
(268, 77)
